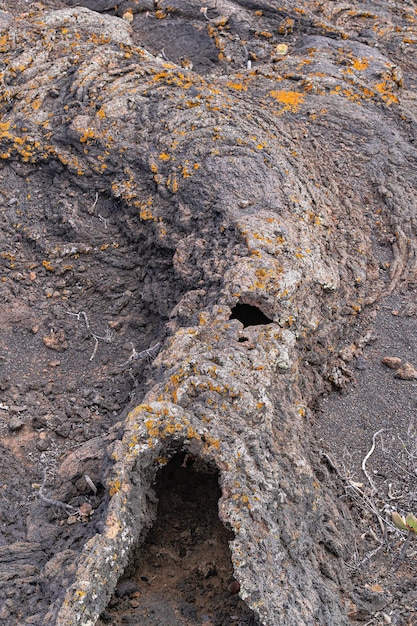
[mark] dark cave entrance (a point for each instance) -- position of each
(249, 315)
(184, 573)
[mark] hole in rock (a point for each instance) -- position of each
(184, 573)
(249, 315)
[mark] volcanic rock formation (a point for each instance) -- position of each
(255, 159)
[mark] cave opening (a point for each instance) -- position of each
(183, 574)
(249, 315)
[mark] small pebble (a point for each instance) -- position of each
(234, 587)
(361, 363)
(393, 362)
(15, 423)
(406, 372)
(43, 444)
(128, 16)
(86, 509)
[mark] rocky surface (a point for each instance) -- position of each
(202, 209)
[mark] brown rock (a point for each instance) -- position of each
(393, 362)
(56, 341)
(86, 509)
(76, 462)
(406, 372)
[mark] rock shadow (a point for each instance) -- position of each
(249, 315)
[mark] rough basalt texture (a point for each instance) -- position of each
(266, 185)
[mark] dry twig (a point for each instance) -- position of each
(108, 337)
(52, 502)
(149, 353)
(366, 458)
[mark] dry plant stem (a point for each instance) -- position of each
(78, 316)
(51, 501)
(391, 496)
(95, 201)
(404, 549)
(368, 503)
(366, 458)
(104, 220)
(370, 555)
(149, 353)
(108, 337)
(95, 348)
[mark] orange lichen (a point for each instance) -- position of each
(290, 99)
(88, 134)
(185, 172)
(172, 183)
(387, 95)
(286, 27)
(4, 130)
(146, 214)
(360, 64)
(237, 86)
(192, 433)
(114, 486)
(48, 266)
(211, 441)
